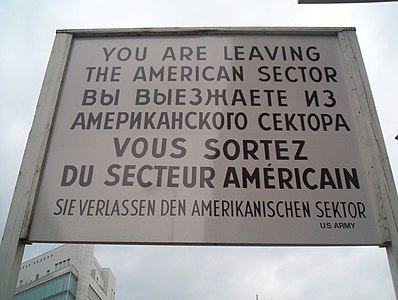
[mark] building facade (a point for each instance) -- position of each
(69, 272)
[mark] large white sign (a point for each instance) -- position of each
(212, 139)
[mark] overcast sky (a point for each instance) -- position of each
(27, 30)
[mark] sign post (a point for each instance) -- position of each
(387, 193)
(18, 221)
(210, 137)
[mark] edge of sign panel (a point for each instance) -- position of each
(382, 175)
(184, 31)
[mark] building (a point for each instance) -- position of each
(65, 273)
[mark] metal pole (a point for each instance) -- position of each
(22, 205)
(10, 263)
(386, 191)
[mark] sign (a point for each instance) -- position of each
(236, 137)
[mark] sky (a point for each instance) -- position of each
(27, 29)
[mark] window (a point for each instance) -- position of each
(62, 287)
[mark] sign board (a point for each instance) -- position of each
(244, 137)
